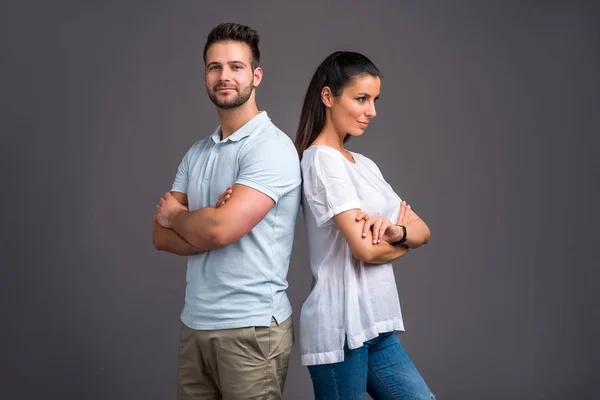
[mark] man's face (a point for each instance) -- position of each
(228, 74)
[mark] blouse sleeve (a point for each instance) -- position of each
(379, 175)
(327, 186)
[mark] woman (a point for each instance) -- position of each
(356, 225)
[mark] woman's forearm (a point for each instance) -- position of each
(417, 233)
(385, 252)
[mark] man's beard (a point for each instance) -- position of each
(241, 98)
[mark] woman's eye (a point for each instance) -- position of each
(362, 99)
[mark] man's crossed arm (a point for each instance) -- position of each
(178, 231)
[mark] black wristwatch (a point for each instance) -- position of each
(403, 235)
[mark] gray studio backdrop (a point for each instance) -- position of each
(487, 124)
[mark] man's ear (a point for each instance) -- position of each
(258, 73)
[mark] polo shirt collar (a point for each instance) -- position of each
(245, 130)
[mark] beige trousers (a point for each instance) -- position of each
(234, 364)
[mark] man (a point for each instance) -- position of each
(236, 334)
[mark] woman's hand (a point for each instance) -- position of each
(418, 232)
(382, 228)
(405, 215)
(378, 225)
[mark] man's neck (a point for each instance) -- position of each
(233, 119)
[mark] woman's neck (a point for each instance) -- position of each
(332, 138)
(329, 136)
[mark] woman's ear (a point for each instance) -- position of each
(327, 96)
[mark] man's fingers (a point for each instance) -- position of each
(222, 199)
(226, 193)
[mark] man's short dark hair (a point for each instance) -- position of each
(236, 33)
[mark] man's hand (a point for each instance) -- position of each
(167, 209)
(224, 197)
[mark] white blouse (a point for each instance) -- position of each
(350, 299)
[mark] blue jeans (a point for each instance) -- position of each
(380, 367)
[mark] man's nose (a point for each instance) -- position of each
(225, 74)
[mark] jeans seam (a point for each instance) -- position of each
(387, 389)
(337, 391)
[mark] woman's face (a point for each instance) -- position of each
(354, 108)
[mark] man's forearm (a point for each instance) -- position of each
(168, 240)
(199, 228)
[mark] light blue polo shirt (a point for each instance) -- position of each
(242, 284)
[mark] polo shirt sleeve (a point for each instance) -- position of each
(270, 166)
(182, 176)
(327, 186)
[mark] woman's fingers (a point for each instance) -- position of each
(376, 227)
(402, 212)
(388, 225)
(362, 215)
(408, 215)
(381, 229)
(368, 224)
